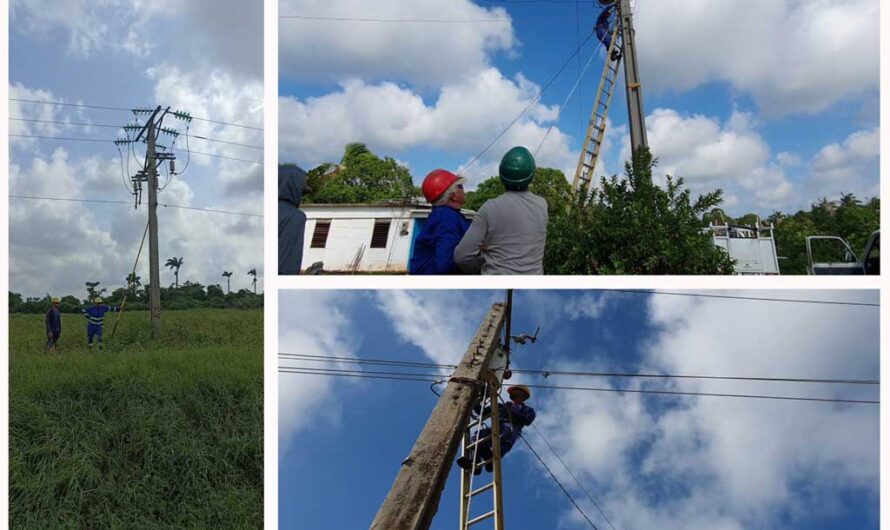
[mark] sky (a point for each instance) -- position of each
(204, 57)
(649, 461)
(773, 101)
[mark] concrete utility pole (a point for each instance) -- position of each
(151, 167)
(413, 500)
(635, 115)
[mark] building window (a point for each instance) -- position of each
(381, 233)
(320, 234)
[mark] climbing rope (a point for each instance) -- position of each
(130, 282)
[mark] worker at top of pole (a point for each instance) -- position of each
(444, 228)
(53, 321)
(604, 29)
(512, 417)
(509, 232)
(95, 316)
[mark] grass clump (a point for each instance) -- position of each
(145, 434)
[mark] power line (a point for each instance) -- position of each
(220, 122)
(709, 394)
(59, 122)
(111, 201)
(255, 162)
(548, 373)
(572, 474)
(226, 142)
(529, 106)
(545, 372)
(81, 105)
(753, 298)
(422, 20)
(60, 138)
(427, 378)
(558, 483)
(63, 104)
(85, 124)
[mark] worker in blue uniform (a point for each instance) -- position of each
(434, 247)
(604, 30)
(95, 316)
(53, 321)
(513, 416)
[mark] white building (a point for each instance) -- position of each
(362, 237)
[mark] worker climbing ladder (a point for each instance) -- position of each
(622, 46)
(596, 127)
(472, 439)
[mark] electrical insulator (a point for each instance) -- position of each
(173, 167)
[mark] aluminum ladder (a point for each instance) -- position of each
(469, 448)
(596, 127)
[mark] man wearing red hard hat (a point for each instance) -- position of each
(434, 247)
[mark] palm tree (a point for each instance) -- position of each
(252, 272)
(174, 263)
(133, 282)
(228, 276)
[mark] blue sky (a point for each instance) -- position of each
(774, 101)
(649, 461)
(200, 56)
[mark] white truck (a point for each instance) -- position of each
(833, 256)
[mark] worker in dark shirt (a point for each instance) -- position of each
(434, 247)
(513, 417)
(53, 325)
(603, 30)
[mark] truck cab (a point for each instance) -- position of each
(833, 256)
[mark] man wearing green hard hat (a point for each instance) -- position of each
(509, 232)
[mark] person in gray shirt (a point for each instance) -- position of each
(509, 232)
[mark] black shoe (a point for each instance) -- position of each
(489, 467)
(616, 54)
(477, 471)
(464, 463)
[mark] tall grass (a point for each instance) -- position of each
(144, 434)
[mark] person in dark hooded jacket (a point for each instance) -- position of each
(291, 221)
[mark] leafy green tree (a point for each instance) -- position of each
(629, 225)
(15, 301)
(93, 292)
(551, 184)
(360, 177)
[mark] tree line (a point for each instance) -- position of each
(189, 295)
(625, 225)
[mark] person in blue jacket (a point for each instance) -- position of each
(95, 316)
(513, 417)
(603, 31)
(434, 247)
(53, 325)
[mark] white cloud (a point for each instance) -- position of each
(709, 154)
(466, 115)
(589, 305)
(792, 56)
(57, 246)
(729, 463)
(307, 400)
(850, 166)
(440, 323)
(225, 98)
(205, 34)
(424, 53)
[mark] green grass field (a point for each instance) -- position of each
(144, 434)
